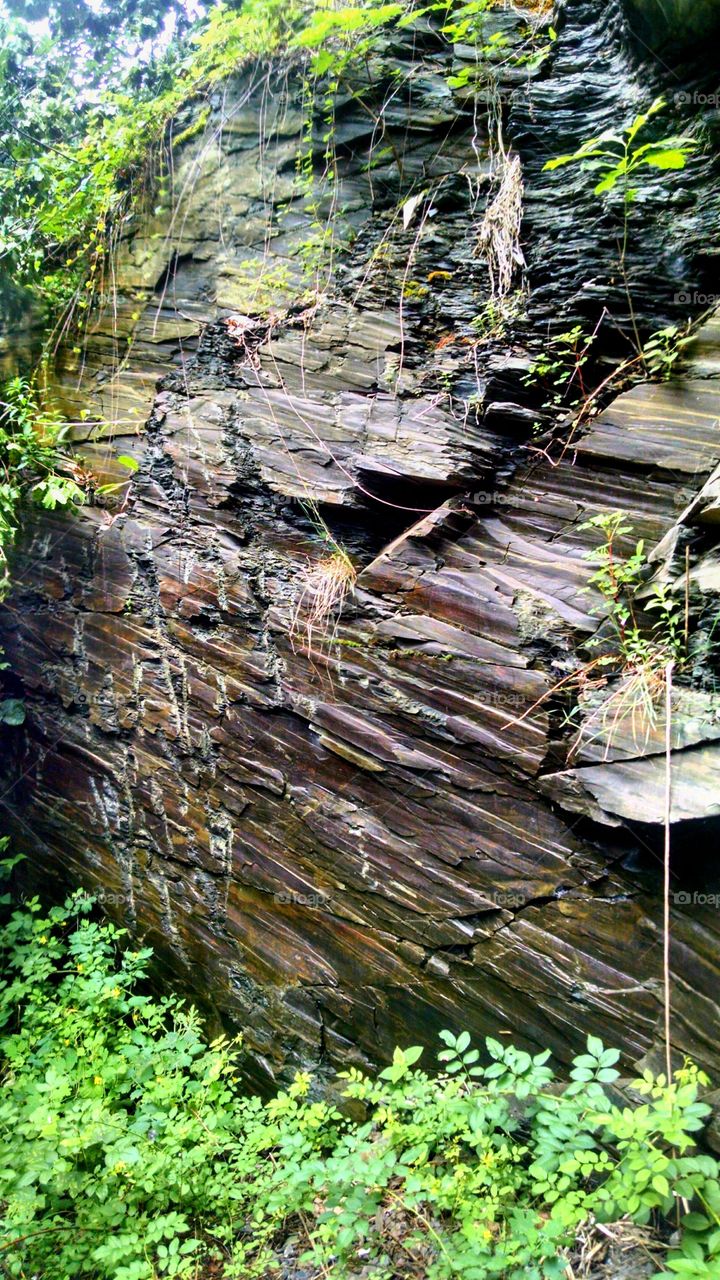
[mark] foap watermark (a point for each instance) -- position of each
(511, 899)
(685, 899)
(686, 98)
(315, 901)
(505, 698)
(485, 498)
(103, 897)
(691, 298)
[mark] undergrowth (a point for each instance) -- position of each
(129, 1150)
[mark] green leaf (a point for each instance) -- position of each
(558, 162)
(695, 1222)
(611, 179)
(411, 1055)
(494, 1071)
(12, 711)
(673, 159)
(609, 1057)
(581, 1074)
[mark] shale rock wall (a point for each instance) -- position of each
(674, 26)
(344, 833)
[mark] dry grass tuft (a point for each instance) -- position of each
(630, 701)
(324, 588)
(610, 699)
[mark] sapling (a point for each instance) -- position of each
(617, 160)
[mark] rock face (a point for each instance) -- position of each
(349, 827)
(676, 25)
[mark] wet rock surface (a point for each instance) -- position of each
(351, 832)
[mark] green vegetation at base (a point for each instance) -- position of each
(128, 1149)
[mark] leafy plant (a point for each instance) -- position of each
(635, 664)
(634, 658)
(663, 349)
(499, 314)
(618, 159)
(618, 579)
(559, 371)
(31, 461)
(128, 1150)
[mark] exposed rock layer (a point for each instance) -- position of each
(348, 833)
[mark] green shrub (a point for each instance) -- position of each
(127, 1149)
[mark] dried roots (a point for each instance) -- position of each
(499, 232)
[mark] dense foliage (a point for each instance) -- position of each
(83, 98)
(84, 102)
(86, 90)
(127, 1148)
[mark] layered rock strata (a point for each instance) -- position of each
(351, 828)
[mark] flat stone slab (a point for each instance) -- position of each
(636, 789)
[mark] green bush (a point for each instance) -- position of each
(127, 1148)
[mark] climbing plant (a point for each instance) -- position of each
(87, 99)
(75, 155)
